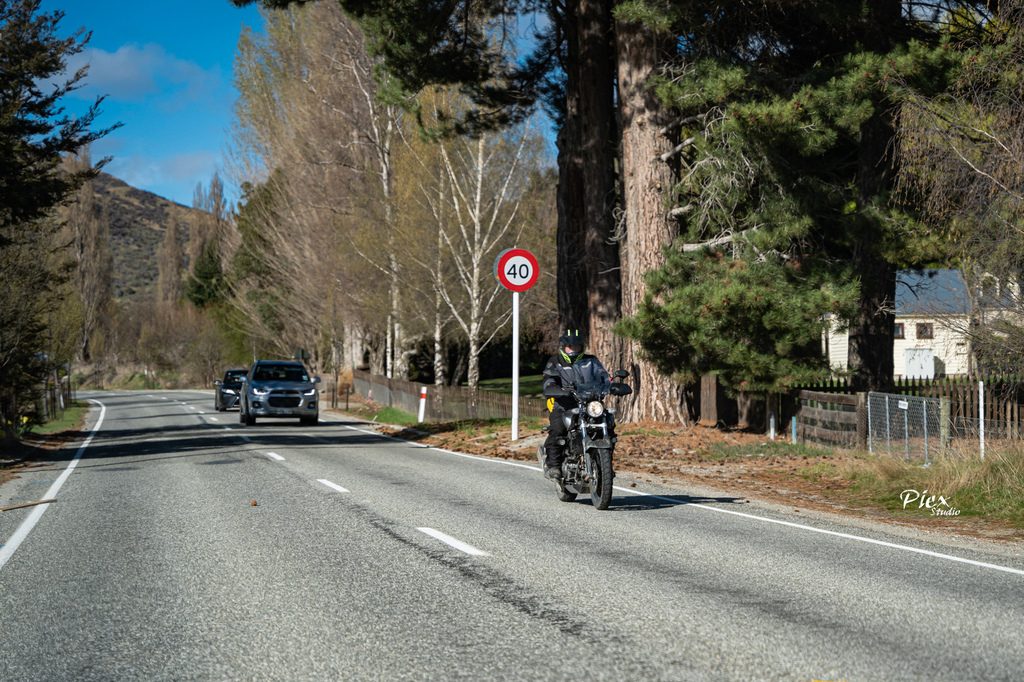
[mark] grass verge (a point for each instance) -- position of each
(73, 418)
(992, 488)
(49, 435)
(717, 451)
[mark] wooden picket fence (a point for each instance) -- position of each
(825, 411)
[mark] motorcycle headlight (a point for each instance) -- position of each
(228, 391)
(256, 390)
(595, 408)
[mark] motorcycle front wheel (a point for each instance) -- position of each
(601, 477)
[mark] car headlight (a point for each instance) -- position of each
(595, 408)
(311, 391)
(256, 390)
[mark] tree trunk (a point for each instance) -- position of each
(440, 357)
(645, 180)
(473, 370)
(871, 340)
(572, 279)
(597, 102)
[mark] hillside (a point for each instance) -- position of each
(138, 220)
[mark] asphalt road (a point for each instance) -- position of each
(366, 558)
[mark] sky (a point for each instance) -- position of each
(166, 69)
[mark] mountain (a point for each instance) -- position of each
(138, 221)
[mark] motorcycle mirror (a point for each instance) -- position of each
(622, 374)
(621, 389)
(551, 373)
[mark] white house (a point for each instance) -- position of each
(933, 309)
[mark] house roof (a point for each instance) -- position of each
(944, 292)
(931, 292)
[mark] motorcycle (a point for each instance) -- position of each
(590, 442)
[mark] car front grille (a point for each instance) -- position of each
(283, 401)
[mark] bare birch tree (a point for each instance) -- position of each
(486, 179)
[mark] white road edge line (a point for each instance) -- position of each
(457, 544)
(29, 523)
(332, 485)
(276, 456)
(847, 536)
(893, 545)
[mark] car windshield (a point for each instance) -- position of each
(280, 373)
(234, 376)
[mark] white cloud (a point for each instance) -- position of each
(134, 73)
(174, 178)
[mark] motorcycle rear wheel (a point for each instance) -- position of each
(601, 478)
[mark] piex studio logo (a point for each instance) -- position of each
(936, 504)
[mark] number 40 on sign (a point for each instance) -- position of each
(516, 269)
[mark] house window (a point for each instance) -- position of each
(989, 289)
(925, 330)
(897, 332)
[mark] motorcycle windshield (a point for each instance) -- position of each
(591, 382)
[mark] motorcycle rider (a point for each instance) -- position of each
(570, 353)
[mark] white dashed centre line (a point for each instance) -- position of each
(276, 456)
(457, 544)
(213, 419)
(332, 485)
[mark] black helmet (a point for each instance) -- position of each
(571, 337)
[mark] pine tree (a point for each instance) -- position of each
(34, 133)
(785, 166)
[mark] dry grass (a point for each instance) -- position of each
(992, 487)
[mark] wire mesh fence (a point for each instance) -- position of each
(915, 427)
(907, 426)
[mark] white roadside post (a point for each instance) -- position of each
(423, 404)
(981, 417)
(517, 271)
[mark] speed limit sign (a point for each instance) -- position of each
(516, 269)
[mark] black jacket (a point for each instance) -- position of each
(553, 385)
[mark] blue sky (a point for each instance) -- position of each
(166, 68)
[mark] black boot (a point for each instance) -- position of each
(553, 465)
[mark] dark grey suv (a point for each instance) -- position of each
(227, 390)
(279, 388)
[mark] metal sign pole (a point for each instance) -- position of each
(515, 365)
